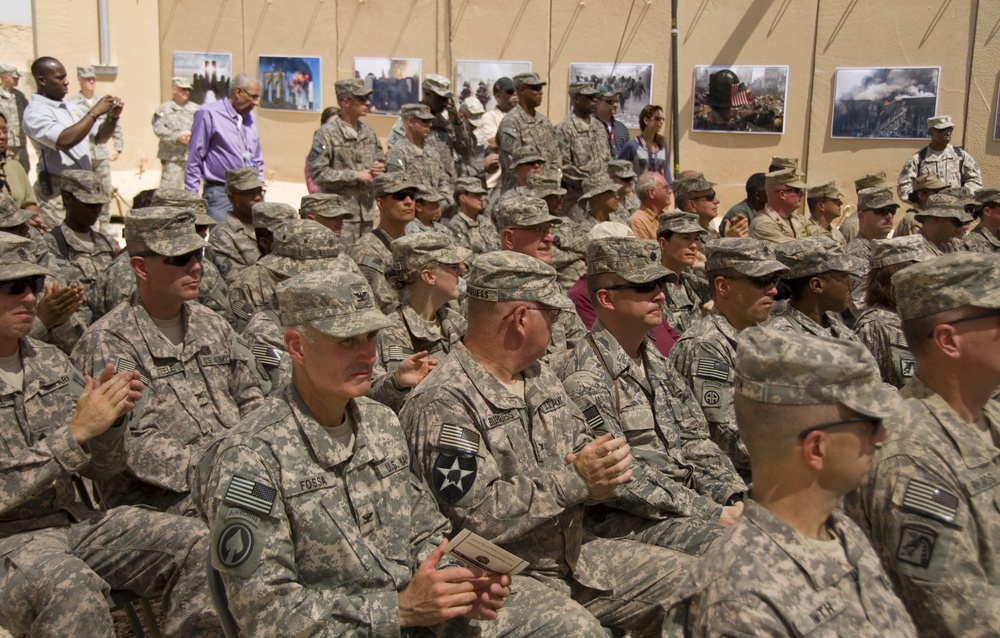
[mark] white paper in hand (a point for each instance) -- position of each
(476, 551)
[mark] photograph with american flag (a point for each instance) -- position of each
(739, 99)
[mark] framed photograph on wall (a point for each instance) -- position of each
(739, 99)
(290, 83)
(634, 81)
(475, 78)
(209, 74)
(884, 102)
(393, 81)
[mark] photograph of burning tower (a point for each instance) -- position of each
(885, 103)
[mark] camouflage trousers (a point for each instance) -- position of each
(172, 174)
(53, 581)
(686, 534)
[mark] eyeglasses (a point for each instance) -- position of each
(875, 423)
(797, 191)
(982, 315)
(759, 282)
(253, 98)
(404, 195)
(710, 195)
(175, 260)
(539, 231)
(17, 286)
(552, 312)
(957, 223)
(643, 289)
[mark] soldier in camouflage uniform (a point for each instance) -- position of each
(983, 238)
(318, 526)
(695, 194)
(427, 214)
(779, 222)
(600, 201)
(849, 226)
(12, 105)
(172, 122)
(410, 156)
(682, 483)
(233, 241)
(930, 503)
(524, 126)
(200, 376)
(823, 203)
(623, 175)
(583, 145)
(471, 227)
(330, 210)
(267, 216)
(953, 165)
(117, 283)
(810, 410)
(508, 455)
(688, 296)
(61, 557)
(346, 157)
(942, 224)
(742, 273)
(875, 211)
(820, 276)
(879, 326)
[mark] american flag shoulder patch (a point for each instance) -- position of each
(241, 310)
(930, 500)
(266, 355)
(398, 353)
(250, 495)
(125, 364)
(455, 437)
(593, 417)
(712, 369)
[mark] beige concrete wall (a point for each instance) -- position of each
(812, 37)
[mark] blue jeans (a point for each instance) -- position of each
(218, 201)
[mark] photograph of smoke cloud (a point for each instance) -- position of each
(885, 103)
(290, 84)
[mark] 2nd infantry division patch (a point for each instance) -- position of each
(454, 476)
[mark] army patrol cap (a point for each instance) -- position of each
(825, 191)
(86, 71)
(526, 155)
(677, 221)
(542, 186)
(325, 205)
(941, 122)
(16, 259)
(523, 211)
(528, 79)
(929, 182)
(875, 199)
(243, 179)
(597, 184)
(470, 185)
(694, 183)
(432, 195)
(86, 186)
(301, 246)
(899, 250)
(783, 367)
(606, 90)
(948, 282)
(388, 183)
(986, 196)
(872, 180)
(634, 260)
(10, 214)
(181, 83)
(166, 231)
(961, 193)
(786, 177)
(812, 256)
(9, 69)
(419, 111)
(337, 303)
(268, 215)
(785, 162)
(473, 111)
(504, 275)
(586, 89)
(413, 252)
(180, 198)
(437, 84)
(941, 205)
(745, 255)
(622, 169)
(352, 86)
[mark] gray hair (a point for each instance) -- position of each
(645, 185)
(241, 81)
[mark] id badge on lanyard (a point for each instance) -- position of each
(248, 159)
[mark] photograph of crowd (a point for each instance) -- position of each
(884, 102)
(739, 99)
(209, 73)
(393, 81)
(290, 83)
(475, 78)
(634, 82)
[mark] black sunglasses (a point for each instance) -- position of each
(17, 286)
(710, 195)
(759, 282)
(175, 260)
(402, 195)
(875, 422)
(642, 289)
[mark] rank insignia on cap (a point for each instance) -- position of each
(712, 369)
(256, 497)
(362, 298)
(930, 500)
(454, 476)
(457, 438)
(235, 545)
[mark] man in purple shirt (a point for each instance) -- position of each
(224, 137)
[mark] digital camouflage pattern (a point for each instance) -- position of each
(505, 275)
(81, 261)
(583, 147)
(814, 256)
(169, 120)
(266, 338)
(764, 578)
(269, 215)
(421, 165)
(953, 166)
(813, 228)
(336, 303)
(684, 299)
(880, 330)
(745, 255)
(787, 317)
(165, 230)
(373, 255)
(234, 247)
(518, 130)
(523, 211)
(478, 235)
(947, 282)
(980, 240)
(680, 478)
(634, 260)
(325, 205)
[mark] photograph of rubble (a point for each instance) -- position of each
(739, 99)
(881, 103)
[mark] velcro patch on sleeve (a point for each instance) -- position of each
(593, 417)
(455, 437)
(930, 500)
(712, 369)
(250, 495)
(266, 355)
(130, 366)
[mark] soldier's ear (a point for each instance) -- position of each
(139, 267)
(294, 345)
(603, 298)
(507, 238)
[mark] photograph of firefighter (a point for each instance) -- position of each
(885, 103)
(740, 99)
(290, 84)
